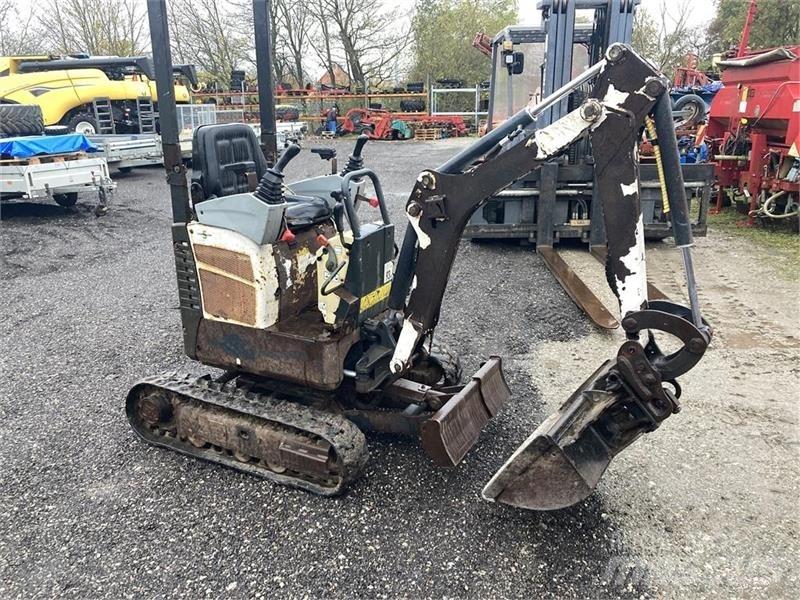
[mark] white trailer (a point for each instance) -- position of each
(126, 151)
(59, 177)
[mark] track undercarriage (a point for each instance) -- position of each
(308, 438)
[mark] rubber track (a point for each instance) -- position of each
(346, 439)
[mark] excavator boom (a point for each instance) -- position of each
(628, 395)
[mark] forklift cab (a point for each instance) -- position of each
(531, 62)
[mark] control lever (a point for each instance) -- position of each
(270, 188)
(355, 161)
(326, 153)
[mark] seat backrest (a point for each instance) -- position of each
(226, 159)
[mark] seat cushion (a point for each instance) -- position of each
(305, 211)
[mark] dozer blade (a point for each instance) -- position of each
(561, 463)
(586, 300)
(452, 430)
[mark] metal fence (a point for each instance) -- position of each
(464, 102)
(191, 116)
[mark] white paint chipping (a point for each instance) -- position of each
(287, 266)
(305, 260)
(423, 238)
(615, 97)
(405, 346)
(558, 136)
(630, 189)
(633, 288)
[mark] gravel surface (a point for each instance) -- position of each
(700, 508)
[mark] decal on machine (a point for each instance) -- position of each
(375, 296)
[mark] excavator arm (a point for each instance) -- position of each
(629, 395)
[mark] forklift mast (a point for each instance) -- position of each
(561, 48)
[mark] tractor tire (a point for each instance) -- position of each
(21, 119)
(56, 130)
(693, 109)
(412, 105)
(84, 123)
(441, 368)
(66, 200)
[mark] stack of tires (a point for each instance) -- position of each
(412, 105)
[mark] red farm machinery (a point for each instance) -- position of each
(755, 122)
(754, 125)
(383, 124)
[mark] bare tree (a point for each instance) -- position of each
(116, 27)
(17, 35)
(369, 48)
(209, 34)
(293, 28)
(243, 9)
(320, 40)
(666, 37)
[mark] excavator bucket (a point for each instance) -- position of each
(561, 463)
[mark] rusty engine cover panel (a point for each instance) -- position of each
(297, 270)
(229, 261)
(299, 350)
(224, 296)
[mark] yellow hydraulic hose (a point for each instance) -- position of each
(653, 137)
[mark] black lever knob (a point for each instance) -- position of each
(270, 188)
(355, 161)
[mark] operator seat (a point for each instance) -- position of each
(227, 160)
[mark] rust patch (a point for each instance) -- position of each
(231, 262)
(228, 298)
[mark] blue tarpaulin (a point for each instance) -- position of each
(36, 145)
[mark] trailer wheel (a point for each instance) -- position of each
(84, 123)
(21, 119)
(66, 200)
(125, 170)
(692, 108)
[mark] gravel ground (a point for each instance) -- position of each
(706, 506)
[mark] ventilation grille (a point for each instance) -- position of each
(231, 262)
(228, 298)
(188, 290)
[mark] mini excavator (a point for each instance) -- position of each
(323, 329)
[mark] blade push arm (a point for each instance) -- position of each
(443, 200)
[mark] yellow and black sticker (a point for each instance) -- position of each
(375, 296)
